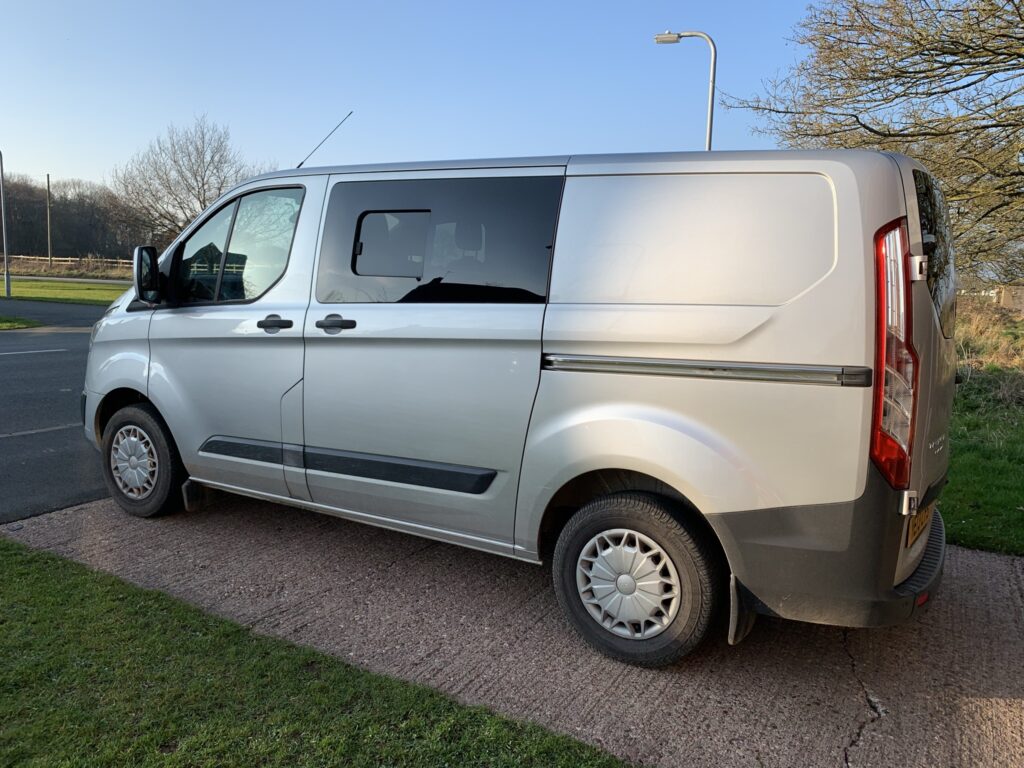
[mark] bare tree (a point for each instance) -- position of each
(941, 80)
(88, 219)
(178, 175)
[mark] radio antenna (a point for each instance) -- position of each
(325, 138)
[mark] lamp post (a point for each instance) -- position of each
(675, 37)
(3, 226)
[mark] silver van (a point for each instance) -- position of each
(702, 386)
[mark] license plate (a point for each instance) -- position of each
(918, 524)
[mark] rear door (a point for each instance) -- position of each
(423, 347)
(934, 313)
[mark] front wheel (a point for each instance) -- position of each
(634, 582)
(140, 462)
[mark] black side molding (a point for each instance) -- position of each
(243, 448)
(431, 474)
(393, 469)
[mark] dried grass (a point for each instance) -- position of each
(988, 335)
(990, 346)
(83, 269)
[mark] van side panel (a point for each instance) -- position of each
(724, 264)
(754, 239)
(933, 342)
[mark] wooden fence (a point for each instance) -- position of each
(85, 261)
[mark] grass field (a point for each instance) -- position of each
(16, 323)
(67, 291)
(983, 505)
(98, 672)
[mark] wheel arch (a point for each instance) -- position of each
(111, 403)
(595, 449)
(601, 482)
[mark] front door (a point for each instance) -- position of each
(226, 353)
(423, 348)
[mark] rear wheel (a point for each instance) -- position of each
(636, 583)
(141, 465)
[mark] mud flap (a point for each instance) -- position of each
(194, 495)
(741, 618)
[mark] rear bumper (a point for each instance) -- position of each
(830, 563)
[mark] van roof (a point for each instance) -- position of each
(650, 162)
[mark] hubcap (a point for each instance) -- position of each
(628, 584)
(133, 462)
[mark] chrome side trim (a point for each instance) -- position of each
(828, 375)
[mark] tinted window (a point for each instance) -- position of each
(200, 259)
(439, 240)
(938, 248)
(260, 241)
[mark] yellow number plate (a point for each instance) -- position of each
(918, 524)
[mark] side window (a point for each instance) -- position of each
(257, 229)
(200, 260)
(261, 239)
(485, 240)
(939, 249)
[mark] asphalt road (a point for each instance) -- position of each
(946, 689)
(45, 461)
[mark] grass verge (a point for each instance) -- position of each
(16, 323)
(983, 505)
(98, 672)
(66, 291)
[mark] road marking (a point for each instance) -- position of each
(32, 352)
(39, 431)
(50, 330)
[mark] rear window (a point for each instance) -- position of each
(938, 245)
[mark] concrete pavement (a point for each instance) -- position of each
(46, 462)
(945, 690)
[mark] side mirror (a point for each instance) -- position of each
(146, 274)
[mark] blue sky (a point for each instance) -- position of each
(88, 84)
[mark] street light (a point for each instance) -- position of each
(3, 226)
(675, 37)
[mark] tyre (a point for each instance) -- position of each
(141, 465)
(634, 582)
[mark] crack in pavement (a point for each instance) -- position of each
(875, 707)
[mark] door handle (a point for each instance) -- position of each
(334, 323)
(273, 323)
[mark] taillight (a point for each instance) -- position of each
(895, 381)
